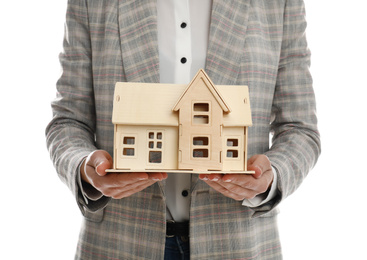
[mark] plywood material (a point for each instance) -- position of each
(194, 128)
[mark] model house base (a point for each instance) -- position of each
(194, 128)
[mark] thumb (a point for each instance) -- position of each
(101, 161)
(256, 169)
(259, 164)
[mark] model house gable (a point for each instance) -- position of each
(201, 88)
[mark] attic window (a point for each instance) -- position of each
(201, 107)
(201, 113)
(201, 120)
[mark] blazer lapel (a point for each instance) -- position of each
(226, 40)
(139, 40)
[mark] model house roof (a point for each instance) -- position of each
(157, 104)
(200, 82)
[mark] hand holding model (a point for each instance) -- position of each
(243, 186)
(115, 185)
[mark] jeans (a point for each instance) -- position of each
(177, 248)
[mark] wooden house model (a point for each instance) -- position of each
(195, 128)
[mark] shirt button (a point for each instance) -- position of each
(183, 60)
(185, 193)
(183, 25)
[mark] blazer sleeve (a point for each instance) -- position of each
(296, 140)
(70, 134)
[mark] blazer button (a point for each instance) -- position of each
(185, 193)
(183, 60)
(183, 25)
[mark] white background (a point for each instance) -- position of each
(324, 219)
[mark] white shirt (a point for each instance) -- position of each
(183, 32)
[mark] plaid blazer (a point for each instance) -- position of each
(258, 43)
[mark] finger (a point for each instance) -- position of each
(203, 177)
(158, 176)
(240, 183)
(211, 177)
(120, 180)
(239, 179)
(232, 191)
(242, 186)
(260, 164)
(128, 190)
(101, 161)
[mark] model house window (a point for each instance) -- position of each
(200, 146)
(232, 148)
(201, 113)
(155, 145)
(128, 146)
